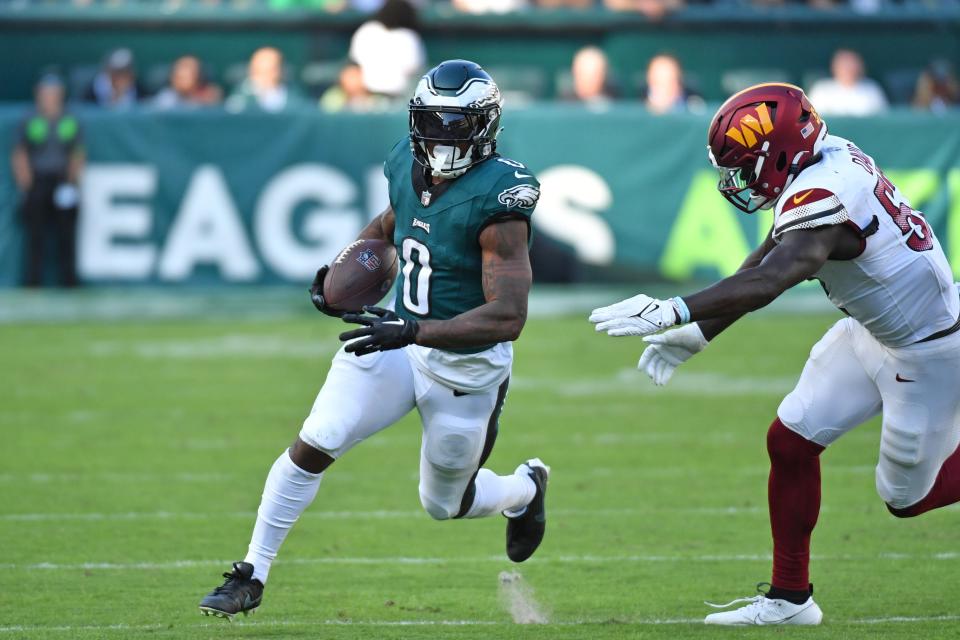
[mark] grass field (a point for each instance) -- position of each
(134, 453)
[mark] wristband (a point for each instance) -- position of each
(682, 309)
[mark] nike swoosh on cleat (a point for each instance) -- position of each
(899, 379)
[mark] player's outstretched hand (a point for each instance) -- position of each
(316, 294)
(670, 349)
(382, 330)
(637, 316)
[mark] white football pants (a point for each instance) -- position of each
(365, 395)
(850, 377)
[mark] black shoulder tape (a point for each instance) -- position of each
(503, 216)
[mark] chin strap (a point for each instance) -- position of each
(441, 157)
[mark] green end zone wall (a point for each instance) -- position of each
(211, 197)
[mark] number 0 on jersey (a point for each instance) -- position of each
(416, 276)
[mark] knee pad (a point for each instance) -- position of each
(791, 410)
(324, 434)
(452, 456)
(449, 449)
(895, 494)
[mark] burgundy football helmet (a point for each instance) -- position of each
(760, 139)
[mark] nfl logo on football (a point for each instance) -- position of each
(369, 260)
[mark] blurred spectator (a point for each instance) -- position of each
(653, 9)
(665, 91)
(188, 86)
(115, 85)
(815, 4)
(489, 6)
(389, 49)
(264, 87)
(591, 77)
(848, 92)
(351, 94)
(937, 88)
(330, 6)
(568, 4)
(47, 161)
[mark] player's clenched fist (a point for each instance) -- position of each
(669, 350)
(640, 315)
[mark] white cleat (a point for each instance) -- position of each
(762, 610)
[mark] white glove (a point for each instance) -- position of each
(669, 350)
(637, 316)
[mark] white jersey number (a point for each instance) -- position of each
(416, 276)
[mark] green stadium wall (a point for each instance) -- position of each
(211, 197)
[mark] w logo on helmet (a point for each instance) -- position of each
(751, 125)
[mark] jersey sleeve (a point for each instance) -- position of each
(399, 153)
(807, 209)
(514, 196)
(396, 152)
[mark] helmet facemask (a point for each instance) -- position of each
(740, 185)
(449, 140)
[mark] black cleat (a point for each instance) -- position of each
(525, 531)
(239, 593)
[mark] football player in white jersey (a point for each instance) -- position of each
(838, 219)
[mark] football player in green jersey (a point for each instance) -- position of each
(459, 216)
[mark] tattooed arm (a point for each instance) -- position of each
(506, 283)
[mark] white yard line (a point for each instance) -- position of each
(947, 618)
(653, 622)
(633, 382)
(495, 559)
(596, 438)
(361, 515)
(117, 476)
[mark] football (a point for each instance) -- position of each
(361, 275)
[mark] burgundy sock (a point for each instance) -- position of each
(945, 491)
(793, 492)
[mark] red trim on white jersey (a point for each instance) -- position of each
(809, 209)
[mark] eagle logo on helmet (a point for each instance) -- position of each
(490, 98)
(524, 196)
(750, 125)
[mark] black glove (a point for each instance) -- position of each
(383, 329)
(316, 294)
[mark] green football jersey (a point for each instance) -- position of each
(438, 229)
